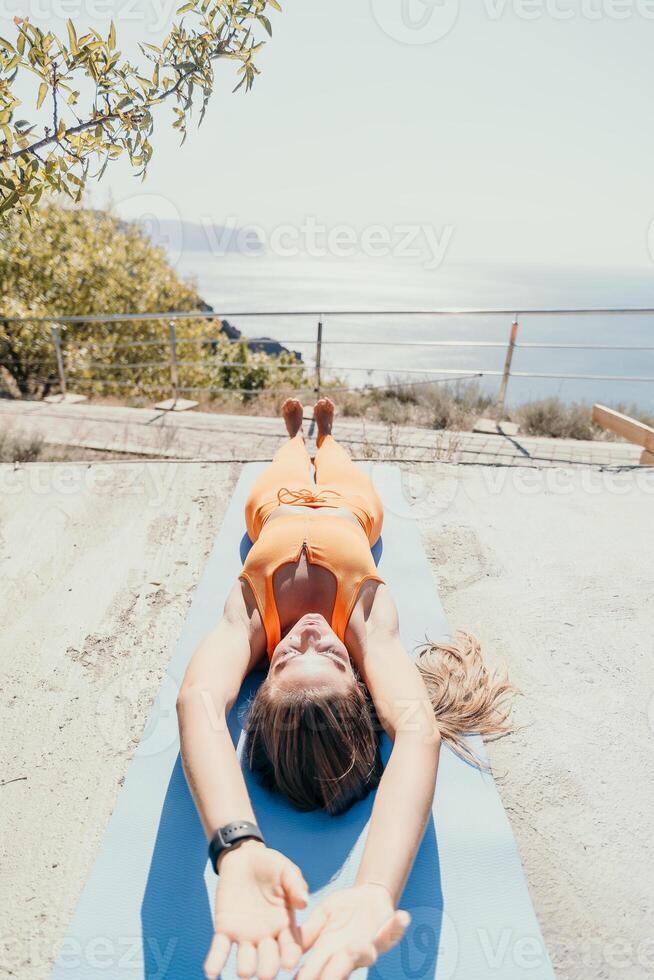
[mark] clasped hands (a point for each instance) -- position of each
(258, 893)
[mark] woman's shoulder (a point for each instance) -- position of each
(242, 608)
(374, 609)
(382, 616)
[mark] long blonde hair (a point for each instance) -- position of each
(466, 696)
(321, 750)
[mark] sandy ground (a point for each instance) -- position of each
(553, 569)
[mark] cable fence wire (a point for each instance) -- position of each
(213, 339)
(188, 389)
(198, 363)
(194, 389)
(71, 350)
(313, 314)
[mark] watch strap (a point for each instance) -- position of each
(229, 836)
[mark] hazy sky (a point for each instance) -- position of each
(514, 131)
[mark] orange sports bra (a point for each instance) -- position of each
(336, 543)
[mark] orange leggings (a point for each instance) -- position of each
(339, 483)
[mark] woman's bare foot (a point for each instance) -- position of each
(293, 412)
(323, 413)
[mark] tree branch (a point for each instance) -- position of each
(98, 120)
(55, 110)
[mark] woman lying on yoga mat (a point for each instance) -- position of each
(310, 605)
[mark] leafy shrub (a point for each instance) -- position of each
(553, 418)
(18, 448)
(83, 262)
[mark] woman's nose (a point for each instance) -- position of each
(308, 632)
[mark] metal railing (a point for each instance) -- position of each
(319, 341)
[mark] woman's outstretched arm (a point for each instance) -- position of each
(406, 791)
(210, 687)
(258, 888)
(354, 926)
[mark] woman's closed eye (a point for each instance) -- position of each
(288, 655)
(330, 653)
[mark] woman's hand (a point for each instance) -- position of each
(257, 894)
(350, 929)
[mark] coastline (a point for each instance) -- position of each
(274, 283)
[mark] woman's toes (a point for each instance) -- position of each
(291, 405)
(323, 413)
(293, 412)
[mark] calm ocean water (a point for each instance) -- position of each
(264, 283)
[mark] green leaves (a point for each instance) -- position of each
(73, 261)
(8, 201)
(55, 154)
(43, 91)
(72, 37)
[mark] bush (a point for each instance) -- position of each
(77, 261)
(553, 418)
(18, 448)
(443, 406)
(454, 405)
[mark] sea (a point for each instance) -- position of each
(376, 313)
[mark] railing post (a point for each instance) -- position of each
(501, 400)
(174, 380)
(318, 358)
(56, 340)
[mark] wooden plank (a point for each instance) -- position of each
(68, 399)
(646, 459)
(176, 405)
(630, 429)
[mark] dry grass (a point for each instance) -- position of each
(16, 447)
(458, 406)
(553, 418)
(557, 420)
(453, 406)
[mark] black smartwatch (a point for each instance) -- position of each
(229, 836)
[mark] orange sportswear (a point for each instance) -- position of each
(335, 543)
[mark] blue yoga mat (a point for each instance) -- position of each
(146, 910)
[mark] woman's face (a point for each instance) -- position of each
(311, 655)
